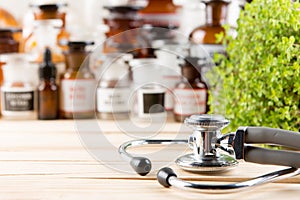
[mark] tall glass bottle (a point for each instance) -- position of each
(77, 94)
(216, 14)
(8, 44)
(47, 89)
(53, 11)
(160, 13)
(191, 93)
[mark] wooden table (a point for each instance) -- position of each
(51, 160)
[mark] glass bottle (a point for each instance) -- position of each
(77, 96)
(44, 35)
(17, 92)
(114, 89)
(191, 93)
(8, 44)
(47, 89)
(148, 100)
(160, 13)
(7, 19)
(216, 14)
(53, 11)
(123, 37)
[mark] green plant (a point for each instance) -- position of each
(258, 83)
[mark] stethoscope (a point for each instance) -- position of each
(214, 152)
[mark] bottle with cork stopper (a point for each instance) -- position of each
(78, 84)
(191, 92)
(216, 15)
(47, 89)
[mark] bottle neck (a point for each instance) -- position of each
(166, 6)
(190, 73)
(216, 13)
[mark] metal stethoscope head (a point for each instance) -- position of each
(213, 152)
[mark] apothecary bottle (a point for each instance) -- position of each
(17, 92)
(47, 89)
(216, 15)
(8, 44)
(123, 35)
(148, 99)
(53, 11)
(161, 13)
(114, 89)
(78, 85)
(191, 92)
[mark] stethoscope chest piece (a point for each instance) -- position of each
(208, 155)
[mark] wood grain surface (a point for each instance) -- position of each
(61, 160)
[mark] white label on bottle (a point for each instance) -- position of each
(214, 48)
(113, 100)
(161, 20)
(205, 50)
(190, 101)
(77, 95)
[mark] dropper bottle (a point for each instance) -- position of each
(47, 89)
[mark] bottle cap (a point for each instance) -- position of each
(49, 7)
(47, 68)
(77, 45)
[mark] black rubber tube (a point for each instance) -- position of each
(272, 157)
(266, 135)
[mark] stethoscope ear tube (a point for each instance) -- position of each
(271, 157)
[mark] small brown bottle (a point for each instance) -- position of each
(216, 13)
(47, 89)
(191, 93)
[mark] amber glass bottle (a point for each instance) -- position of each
(191, 93)
(8, 44)
(160, 13)
(47, 89)
(78, 85)
(216, 13)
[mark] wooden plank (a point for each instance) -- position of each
(56, 188)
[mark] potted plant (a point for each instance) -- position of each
(258, 82)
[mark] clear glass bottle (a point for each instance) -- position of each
(114, 88)
(47, 89)
(148, 100)
(53, 11)
(216, 14)
(17, 92)
(44, 35)
(78, 85)
(191, 94)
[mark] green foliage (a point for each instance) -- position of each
(258, 84)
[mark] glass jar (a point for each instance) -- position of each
(44, 35)
(160, 17)
(77, 96)
(8, 44)
(17, 92)
(191, 93)
(216, 13)
(7, 19)
(123, 37)
(148, 99)
(114, 88)
(53, 11)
